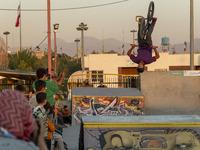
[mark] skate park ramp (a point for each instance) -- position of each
(88, 101)
(140, 132)
(171, 92)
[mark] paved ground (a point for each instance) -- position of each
(71, 136)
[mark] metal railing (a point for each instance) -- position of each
(109, 80)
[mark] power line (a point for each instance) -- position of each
(37, 47)
(73, 8)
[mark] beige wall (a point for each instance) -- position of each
(109, 63)
(170, 95)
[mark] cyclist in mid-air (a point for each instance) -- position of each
(144, 55)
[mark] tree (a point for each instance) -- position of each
(3, 54)
(23, 60)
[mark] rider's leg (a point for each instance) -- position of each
(141, 41)
(150, 30)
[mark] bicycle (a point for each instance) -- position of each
(145, 22)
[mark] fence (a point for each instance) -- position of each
(109, 80)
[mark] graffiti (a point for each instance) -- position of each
(104, 106)
(149, 139)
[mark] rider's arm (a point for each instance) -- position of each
(157, 54)
(130, 50)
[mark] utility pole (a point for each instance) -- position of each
(191, 35)
(6, 33)
(133, 35)
(56, 26)
(49, 36)
(81, 28)
(77, 40)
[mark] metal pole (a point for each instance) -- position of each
(191, 36)
(20, 28)
(77, 48)
(6, 43)
(49, 36)
(55, 48)
(82, 48)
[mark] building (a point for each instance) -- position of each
(121, 64)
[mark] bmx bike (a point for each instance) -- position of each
(145, 22)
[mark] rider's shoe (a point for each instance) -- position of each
(154, 20)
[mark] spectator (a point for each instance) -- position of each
(59, 96)
(20, 88)
(19, 130)
(39, 111)
(86, 83)
(51, 127)
(66, 114)
(59, 79)
(40, 86)
(101, 85)
(30, 94)
(52, 87)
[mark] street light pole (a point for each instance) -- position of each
(81, 28)
(77, 40)
(191, 36)
(133, 35)
(6, 33)
(56, 26)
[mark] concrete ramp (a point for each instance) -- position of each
(88, 101)
(140, 132)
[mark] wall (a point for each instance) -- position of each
(101, 61)
(105, 102)
(140, 132)
(170, 95)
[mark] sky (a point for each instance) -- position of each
(111, 21)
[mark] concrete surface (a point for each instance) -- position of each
(89, 91)
(170, 95)
(71, 136)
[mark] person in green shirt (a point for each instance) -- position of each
(51, 86)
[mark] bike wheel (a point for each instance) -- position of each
(150, 11)
(142, 30)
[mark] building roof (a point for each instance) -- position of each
(17, 74)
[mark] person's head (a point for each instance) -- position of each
(20, 88)
(65, 107)
(41, 73)
(20, 123)
(140, 68)
(101, 82)
(40, 86)
(41, 98)
(47, 107)
(52, 72)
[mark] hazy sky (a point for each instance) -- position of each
(173, 20)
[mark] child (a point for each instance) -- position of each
(40, 112)
(40, 86)
(51, 127)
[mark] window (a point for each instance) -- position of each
(97, 75)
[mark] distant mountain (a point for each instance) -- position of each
(92, 44)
